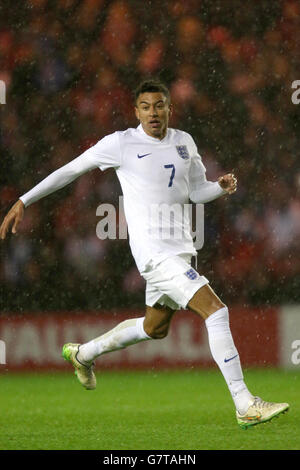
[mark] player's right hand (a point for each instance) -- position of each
(13, 218)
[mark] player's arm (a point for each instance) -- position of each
(55, 181)
(13, 217)
(201, 190)
(105, 154)
(228, 183)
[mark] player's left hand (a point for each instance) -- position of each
(228, 183)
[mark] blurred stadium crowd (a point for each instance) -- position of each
(70, 67)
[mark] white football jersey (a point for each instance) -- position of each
(157, 179)
(154, 175)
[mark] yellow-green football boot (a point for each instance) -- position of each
(260, 412)
(84, 372)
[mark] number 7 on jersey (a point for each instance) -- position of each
(172, 173)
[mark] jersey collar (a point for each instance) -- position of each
(153, 139)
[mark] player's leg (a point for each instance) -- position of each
(250, 410)
(157, 321)
(82, 356)
(207, 304)
(154, 325)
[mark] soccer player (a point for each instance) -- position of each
(156, 166)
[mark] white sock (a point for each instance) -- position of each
(125, 333)
(226, 356)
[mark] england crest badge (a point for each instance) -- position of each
(182, 151)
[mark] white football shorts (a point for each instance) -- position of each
(173, 282)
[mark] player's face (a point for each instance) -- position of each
(153, 111)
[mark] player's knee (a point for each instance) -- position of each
(155, 332)
(159, 334)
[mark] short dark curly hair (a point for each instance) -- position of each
(151, 86)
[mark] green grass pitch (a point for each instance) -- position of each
(152, 410)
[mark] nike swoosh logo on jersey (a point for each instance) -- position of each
(230, 359)
(145, 155)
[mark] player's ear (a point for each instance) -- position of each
(137, 113)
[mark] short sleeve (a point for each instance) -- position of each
(106, 153)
